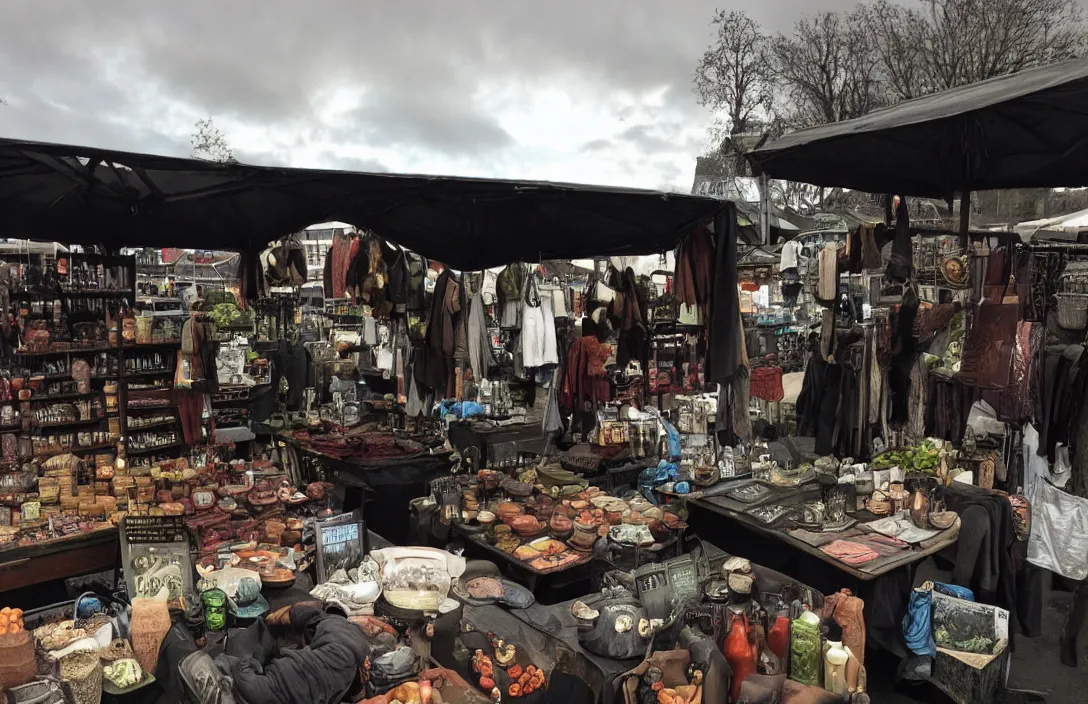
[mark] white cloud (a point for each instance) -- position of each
(568, 90)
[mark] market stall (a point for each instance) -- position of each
(384, 485)
(967, 341)
(585, 429)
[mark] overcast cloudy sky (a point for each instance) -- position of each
(593, 91)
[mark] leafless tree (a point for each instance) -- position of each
(941, 44)
(210, 143)
(828, 69)
(732, 74)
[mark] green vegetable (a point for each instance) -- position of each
(805, 653)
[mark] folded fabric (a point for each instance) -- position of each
(883, 545)
(850, 552)
(900, 526)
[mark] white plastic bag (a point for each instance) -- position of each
(1059, 532)
(982, 418)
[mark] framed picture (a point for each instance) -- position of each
(341, 544)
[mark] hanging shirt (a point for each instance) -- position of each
(791, 252)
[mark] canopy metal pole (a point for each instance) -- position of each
(764, 210)
(965, 219)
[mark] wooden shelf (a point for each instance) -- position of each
(77, 450)
(138, 409)
(69, 423)
(74, 350)
(63, 397)
(151, 426)
(153, 450)
(59, 294)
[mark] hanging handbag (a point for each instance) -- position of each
(989, 350)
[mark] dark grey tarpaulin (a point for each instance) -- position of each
(96, 196)
(1024, 130)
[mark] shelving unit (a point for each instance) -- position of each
(66, 308)
(153, 450)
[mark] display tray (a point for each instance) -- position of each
(582, 557)
(115, 691)
(719, 495)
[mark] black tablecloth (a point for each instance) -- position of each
(387, 488)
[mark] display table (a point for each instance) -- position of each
(718, 507)
(550, 633)
(62, 558)
(884, 584)
(386, 486)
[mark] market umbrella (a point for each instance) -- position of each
(1023, 130)
(88, 195)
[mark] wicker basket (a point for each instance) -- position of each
(1073, 310)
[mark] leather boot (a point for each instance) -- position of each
(1067, 641)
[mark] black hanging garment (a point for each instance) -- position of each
(902, 260)
(723, 322)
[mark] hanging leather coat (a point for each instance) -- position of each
(439, 345)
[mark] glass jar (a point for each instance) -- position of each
(215, 609)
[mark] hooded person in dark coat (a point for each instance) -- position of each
(323, 672)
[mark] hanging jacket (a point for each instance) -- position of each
(417, 274)
(723, 325)
(510, 283)
(439, 340)
(358, 265)
(341, 253)
(694, 275)
(902, 259)
(480, 355)
(398, 282)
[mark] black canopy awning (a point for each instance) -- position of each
(95, 196)
(1024, 130)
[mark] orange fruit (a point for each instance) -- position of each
(16, 613)
(4, 620)
(15, 629)
(5, 611)
(3, 630)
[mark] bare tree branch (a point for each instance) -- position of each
(828, 69)
(731, 75)
(210, 143)
(949, 43)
